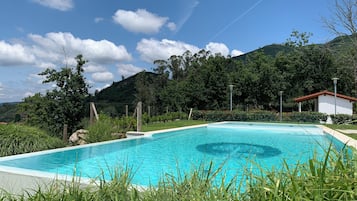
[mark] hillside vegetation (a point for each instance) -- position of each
(201, 80)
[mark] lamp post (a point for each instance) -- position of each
(281, 105)
(335, 90)
(230, 96)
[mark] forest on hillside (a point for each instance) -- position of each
(201, 80)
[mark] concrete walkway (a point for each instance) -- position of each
(347, 131)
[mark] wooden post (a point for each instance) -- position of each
(92, 113)
(126, 110)
(190, 114)
(139, 113)
(65, 133)
(149, 111)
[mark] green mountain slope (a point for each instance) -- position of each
(114, 99)
(270, 50)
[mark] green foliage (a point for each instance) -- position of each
(343, 118)
(171, 124)
(305, 117)
(63, 105)
(8, 112)
(333, 178)
(234, 115)
(102, 129)
(170, 116)
(201, 80)
(18, 139)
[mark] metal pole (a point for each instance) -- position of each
(281, 105)
(335, 91)
(231, 97)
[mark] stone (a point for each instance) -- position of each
(79, 137)
(81, 142)
(74, 138)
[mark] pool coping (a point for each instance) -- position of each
(18, 180)
(339, 136)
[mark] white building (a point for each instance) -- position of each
(325, 102)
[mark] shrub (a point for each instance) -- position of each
(234, 116)
(102, 129)
(342, 118)
(18, 139)
(259, 115)
(306, 117)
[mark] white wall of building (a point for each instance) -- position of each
(327, 105)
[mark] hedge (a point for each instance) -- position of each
(265, 116)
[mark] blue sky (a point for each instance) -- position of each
(121, 38)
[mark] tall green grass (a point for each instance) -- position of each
(333, 178)
(17, 139)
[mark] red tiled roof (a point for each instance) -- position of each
(315, 95)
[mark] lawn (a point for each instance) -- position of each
(171, 124)
(346, 127)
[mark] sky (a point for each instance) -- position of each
(120, 38)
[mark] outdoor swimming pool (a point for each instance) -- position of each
(150, 157)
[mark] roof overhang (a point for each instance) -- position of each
(315, 95)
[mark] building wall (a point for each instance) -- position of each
(326, 104)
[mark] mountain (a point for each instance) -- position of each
(113, 99)
(269, 50)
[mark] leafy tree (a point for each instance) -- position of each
(343, 22)
(65, 104)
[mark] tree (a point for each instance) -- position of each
(65, 104)
(344, 22)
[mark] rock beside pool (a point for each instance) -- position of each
(79, 137)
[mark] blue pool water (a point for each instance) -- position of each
(231, 144)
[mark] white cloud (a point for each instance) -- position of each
(103, 76)
(235, 53)
(94, 68)
(127, 70)
(151, 49)
(217, 48)
(62, 5)
(171, 26)
(55, 46)
(98, 19)
(14, 54)
(35, 79)
(140, 21)
(28, 94)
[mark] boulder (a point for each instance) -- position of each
(79, 137)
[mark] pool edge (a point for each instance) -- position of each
(339, 136)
